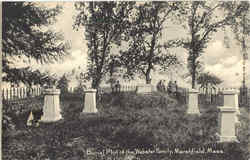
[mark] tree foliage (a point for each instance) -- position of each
(203, 20)
(240, 24)
(145, 50)
(28, 77)
(63, 84)
(26, 36)
(208, 80)
(105, 24)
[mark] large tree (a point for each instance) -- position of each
(104, 24)
(203, 19)
(26, 36)
(240, 26)
(146, 48)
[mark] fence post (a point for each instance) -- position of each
(17, 93)
(24, 95)
(21, 92)
(7, 94)
(10, 93)
(3, 94)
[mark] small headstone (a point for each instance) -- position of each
(30, 119)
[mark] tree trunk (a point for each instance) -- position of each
(148, 78)
(193, 72)
(193, 81)
(96, 82)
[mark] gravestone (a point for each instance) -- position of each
(227, 124)
(51, 108)
(90, 101)
(145, 88)
(30, 119)
(193, 107)
(231, 100)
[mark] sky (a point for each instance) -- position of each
(224, 62)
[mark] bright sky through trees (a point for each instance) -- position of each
(219, 60)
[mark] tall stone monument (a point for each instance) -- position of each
(90, 101)
(226, 126)
(51, 108)
(228, 116)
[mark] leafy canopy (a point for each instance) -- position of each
(145, 50)
(104, 26)
(26, 36)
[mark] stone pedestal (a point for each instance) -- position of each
(193, 107)
(145, 88)
(227, 124)
(231, 100)
(51, 108)
(90, 101)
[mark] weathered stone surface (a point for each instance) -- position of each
(30, 119)
(90, 101)
(227, 124)
(51, 108)
(231, 100)
(193, 107)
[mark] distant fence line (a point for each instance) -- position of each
(9, 94)
(214, 96)
(20, 93)
(108, 89)
(209, 96)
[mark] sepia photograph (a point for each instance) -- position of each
(125, 80)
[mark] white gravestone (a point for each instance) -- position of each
(51, 108)
(231, 100)
(227, 124)
(193, 107)
(144, 88)
(90, 101)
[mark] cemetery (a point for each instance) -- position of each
(127, 120)
(150, 80)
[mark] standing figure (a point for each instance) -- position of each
(163, 85)
(112, 84)
(158, 86)
(118, 86)
(175, 88)
(170, 87)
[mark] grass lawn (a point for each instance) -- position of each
(126, 122)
